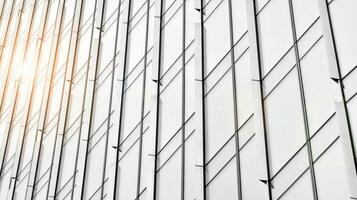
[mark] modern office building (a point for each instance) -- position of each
(178, 99)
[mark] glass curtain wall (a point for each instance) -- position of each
(178, 99)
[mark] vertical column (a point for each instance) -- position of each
(120, 82)
(144, 89)
(44, 103)
(61, 129)
(303, 102)
(200, 191)
(112, 141)
(257, 87)
(348, 144)
(88, 104)
(28, 104)
(155, 104)
(235, 103)
(183, 100)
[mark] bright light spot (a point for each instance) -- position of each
(26, 72)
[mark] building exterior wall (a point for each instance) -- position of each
(178, 99)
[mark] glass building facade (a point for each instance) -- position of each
(178, 99)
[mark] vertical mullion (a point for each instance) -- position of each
(108, 121)
(344, 123)
(155, 103)
(88, 105)
(28, 104)
(121, 73)
(66, 91)
(138, 192)
(200, 190)
(108, 118)
(303, 102)
(257, 91)
(235, 101)
(114, 84)
(45, 101)
(183, 100)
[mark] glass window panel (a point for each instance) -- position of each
(275, 32)
(222, 157)
(239, 16)
(146, 137)
(172, 73)
(289, 173)
(244, 88)
(132, 112)
(216, 36)
(169, 179)
(136, 5)
(219, 115)
(128, 169)
(68, 161)
(95, 165)
(169, 148)
(284, 120)
(189, 89)
(171, 40)
(107, 50)
(324, 137)
(190, 21)
(280, 71)
(170, 110)
(190, 169)
(147, 96)
(136, 44)
(219, 72)
(302, 189)
(228, 178)
(101, 107)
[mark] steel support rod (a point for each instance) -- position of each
(200, 107)
(155, 104)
